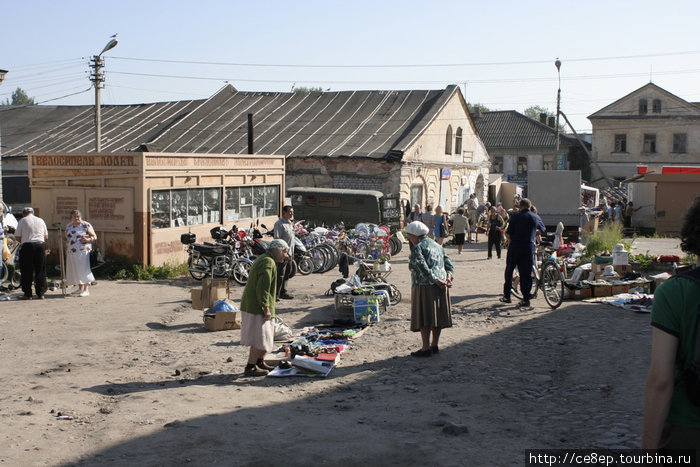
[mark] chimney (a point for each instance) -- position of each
(550, 123)
(543, 118)
(250, 134)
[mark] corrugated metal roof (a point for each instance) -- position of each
(511, 129)
(373, 124)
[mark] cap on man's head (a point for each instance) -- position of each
(582, 208)
(417, 228)
(27, 210)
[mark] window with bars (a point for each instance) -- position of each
(656, 106)
(643, 107)
(448, 140)
(620, 143)
(458, 141)
(680, 141)
(649, 143)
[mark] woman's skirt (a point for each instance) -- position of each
(78, 268)
(255, 332)
(430, 307)
(459, 239)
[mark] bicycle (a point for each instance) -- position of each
(547, 276)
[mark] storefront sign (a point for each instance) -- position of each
(107, 209)
(83, 161)
(560, 162)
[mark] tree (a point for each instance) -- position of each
(474, 108)
(305, 90)
(534, 112)
(19, 97)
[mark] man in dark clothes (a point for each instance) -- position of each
(521, 233)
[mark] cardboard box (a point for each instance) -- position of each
(622, 270)
(580, 294)
(618, 289)
(366, 310)
(222, 321)
(196, 295)
(602, 290)
(213, 290)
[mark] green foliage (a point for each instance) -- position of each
(120, 269)
(19, 97)
(604, 239)
(305, 90)
(534, 112)
(643, 260)
(473, 108)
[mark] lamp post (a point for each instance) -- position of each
(2, 78)
(98, 79)
(557, 64)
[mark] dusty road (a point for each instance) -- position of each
(144, 384)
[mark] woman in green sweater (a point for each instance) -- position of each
(258, 307)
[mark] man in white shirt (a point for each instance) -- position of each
(32, 234)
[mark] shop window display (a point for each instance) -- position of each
(196, 206)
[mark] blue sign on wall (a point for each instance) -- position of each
(517, 178)
(560, 162)
(445, 174)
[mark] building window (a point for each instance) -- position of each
(448, 140)
(416, 195)
(458, 141)
(649, 143)
(656, 106)
(643, 107)
(680, 141)
(497, 165)
(522, 165)
(548, 162)
(620, 143)
(197, 206)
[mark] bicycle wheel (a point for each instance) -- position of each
(552, 284)
(515, 288)
(306, 266)
(319, 256)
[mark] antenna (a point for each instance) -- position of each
(651, 73)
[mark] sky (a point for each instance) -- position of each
(500, 53)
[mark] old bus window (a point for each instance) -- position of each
(194, 206)
(246, 201)
(232, 206)
(212, 205)
(178, 208)
(160, 209)
(272, 200)
(310, 200)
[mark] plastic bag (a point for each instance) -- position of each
(282, 331)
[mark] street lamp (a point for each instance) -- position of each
(98, 79)
(2, 78)
(557, 64)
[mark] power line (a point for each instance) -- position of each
(431, 65)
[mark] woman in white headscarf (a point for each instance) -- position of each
(431, 278)
(258, 307)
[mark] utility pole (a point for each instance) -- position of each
(557, 64)
(98, 79)
(2, 78)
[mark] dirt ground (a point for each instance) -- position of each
(145, 384)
